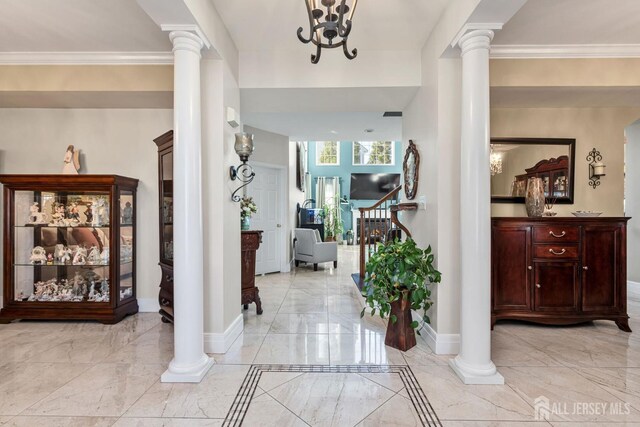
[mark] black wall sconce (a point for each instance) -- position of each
(243, 172)
(596, 167)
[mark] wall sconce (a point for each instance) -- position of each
(244, 173)
(596, 167)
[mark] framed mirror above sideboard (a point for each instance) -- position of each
(515, 160)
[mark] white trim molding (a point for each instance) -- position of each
(221, 342)
(440, 343)
(148, 305)
(85, 58)
(534, 51)
(633, 290)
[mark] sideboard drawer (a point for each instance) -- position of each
(555, 233)
(556, 251)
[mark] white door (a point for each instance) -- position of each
(265, 190)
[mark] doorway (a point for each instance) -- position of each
(267, 190)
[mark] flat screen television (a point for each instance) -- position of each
(372, 186)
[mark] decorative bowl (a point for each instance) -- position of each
(586, 213)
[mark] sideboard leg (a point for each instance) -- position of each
(623, 324)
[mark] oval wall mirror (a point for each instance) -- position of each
(411, 168)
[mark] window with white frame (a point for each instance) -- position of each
(374, 153)
(327, 153)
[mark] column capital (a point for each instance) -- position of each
(185, 40)
(470, 31)
(475, 39)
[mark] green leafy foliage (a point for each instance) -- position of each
(400, 270)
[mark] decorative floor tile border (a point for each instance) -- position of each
(241, 403)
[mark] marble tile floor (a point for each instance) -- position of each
(87, 374)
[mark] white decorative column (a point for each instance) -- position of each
(473, 364)
(190, 363)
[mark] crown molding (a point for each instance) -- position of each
(85, 58)
(566, 51)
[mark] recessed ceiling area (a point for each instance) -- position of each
(573, 22)
(327, 114)
(78, 26)
(326, 126)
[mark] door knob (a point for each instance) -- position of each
(530, 268)
(538, 285)
(585, 268)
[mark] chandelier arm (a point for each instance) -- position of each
(345, 30)
(300, 29)
(315, 58)
(341, 17)
(345, 49)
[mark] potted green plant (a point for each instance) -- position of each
(333, 225)
(398, 279)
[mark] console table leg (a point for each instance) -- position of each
(258, 302)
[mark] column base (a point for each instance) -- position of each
(192, 374)
(470, 375)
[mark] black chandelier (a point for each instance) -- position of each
(337, 23)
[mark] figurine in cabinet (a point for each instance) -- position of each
(35, 216)
(66, 255)
(127, 214)
(80, 257)
(94, 255)
(38, 255)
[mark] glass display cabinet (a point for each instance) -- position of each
(69, 247)
(165, 186)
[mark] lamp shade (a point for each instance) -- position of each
(244, 145)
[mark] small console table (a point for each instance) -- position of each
(250, 242)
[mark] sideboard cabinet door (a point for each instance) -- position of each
(601, 264)
(511, 270)
(556, 286)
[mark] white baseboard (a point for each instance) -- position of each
(440, 343)
(220, 342)
(633, 290)
(148, 305)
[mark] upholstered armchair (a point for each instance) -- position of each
(309, 248)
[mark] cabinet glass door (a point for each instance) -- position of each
(127, 219)
(61, 251)
(166, 249)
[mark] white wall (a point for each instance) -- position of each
(33, 141)
(432, 120)
(600, 128)
(632, 209)
(222, 215)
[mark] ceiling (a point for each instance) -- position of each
(570, 22)
(304, 126)
(78, 26)
(377, 24)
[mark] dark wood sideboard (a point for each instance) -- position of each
(250, 242)
(559, 270)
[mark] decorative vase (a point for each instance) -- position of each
(534, 198)
(244, 223)
(401, 335)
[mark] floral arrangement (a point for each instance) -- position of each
(247, 207)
